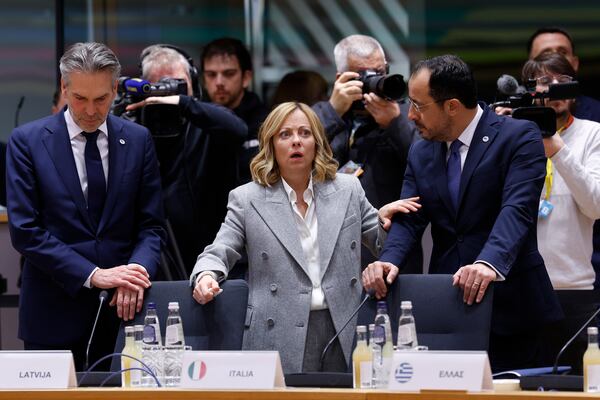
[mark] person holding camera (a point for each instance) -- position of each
(198, 165)
(369, 135)
(569, 205)
(478, 177)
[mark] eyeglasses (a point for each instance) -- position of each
(419, 108)
(550, 79)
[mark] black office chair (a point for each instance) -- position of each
(444, 321)
(218, 325)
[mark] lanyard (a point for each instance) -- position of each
(549, 166)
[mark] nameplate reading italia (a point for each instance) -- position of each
(231, 370)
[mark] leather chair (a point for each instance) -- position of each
(218, 325)
(443, 320)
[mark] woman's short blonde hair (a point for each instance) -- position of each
(263, 166)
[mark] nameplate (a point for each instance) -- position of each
(37, 370)
(231, 370)
(440, 370)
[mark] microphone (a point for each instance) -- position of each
(19, 106)
(102, 297)
(509, 86)
(555, 366)
(555, 381)
(370, 294)
(136, 86)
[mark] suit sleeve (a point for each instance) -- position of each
(406, 229)
(149, 209)
(226, 249)
(28, 234)
(521, 192)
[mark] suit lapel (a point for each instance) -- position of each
(484, 135)
(331, 207)
(279, 218)
(441, 180)
(58, 145)
(118, 147)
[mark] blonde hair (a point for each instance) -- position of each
(263, 166)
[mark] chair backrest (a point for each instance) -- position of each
(218, 325)
(444, 321)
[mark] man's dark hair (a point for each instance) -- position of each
(55, 97)
(229, 47)
(451, 78)
(549, 29)
(547, 62)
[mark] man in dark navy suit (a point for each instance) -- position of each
(479, 177)
(84, 206)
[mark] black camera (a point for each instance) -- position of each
(525, 106)
(389, 87)
(161, 119)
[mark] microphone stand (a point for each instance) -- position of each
(102, 297)
(555, 381)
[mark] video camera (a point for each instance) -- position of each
(389, 87)
(161, 119)
(524, 105)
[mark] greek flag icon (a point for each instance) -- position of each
(403, 372)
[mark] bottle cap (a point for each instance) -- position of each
(129, 329)
(592, 330)
(173, 305)
(151, 306)
(138, 328)
(381, 305)
(407, 304)
(361, 329)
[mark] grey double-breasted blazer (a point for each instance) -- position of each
(261, 219)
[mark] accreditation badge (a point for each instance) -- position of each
(545, 209)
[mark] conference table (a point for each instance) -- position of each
(277, 394)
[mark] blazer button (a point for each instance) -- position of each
(273, 287)
(270, 322)
(460, 238)
(353, 245)
(264, 255)
(353, 281)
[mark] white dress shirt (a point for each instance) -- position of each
(466, 137)
(307, 229)
(78, 142)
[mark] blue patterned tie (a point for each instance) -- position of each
(453, 172)
(96, 190)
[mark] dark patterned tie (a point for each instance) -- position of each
(95, 176)
(453, 172)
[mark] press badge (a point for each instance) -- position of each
(545, 209)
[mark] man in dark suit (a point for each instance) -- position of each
(479, 177)
(84, 206)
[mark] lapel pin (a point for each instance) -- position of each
(485, 139)
(122, 141)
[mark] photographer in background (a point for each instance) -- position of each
(569, 204)
(226, 75)
(196, 165)
(375, 138)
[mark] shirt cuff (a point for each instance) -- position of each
(499, 276)
(88, 281)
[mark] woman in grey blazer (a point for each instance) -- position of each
(302, 225)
